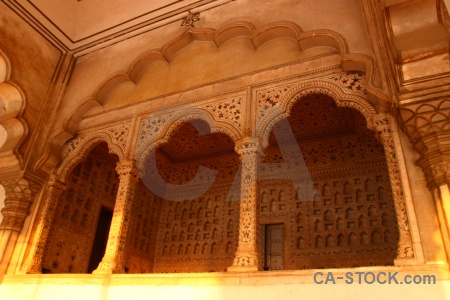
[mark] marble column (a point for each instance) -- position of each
(55, 187)
(247, 257)
(113, 260)
(18, 198)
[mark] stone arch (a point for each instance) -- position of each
(176, 120)
(378, 122)
(340, 97)
(12, 105)
(82, 149)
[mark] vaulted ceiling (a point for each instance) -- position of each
(79, 24)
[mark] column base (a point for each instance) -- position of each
(235, 269)
(102, 272)
(245, 262)
(106, 268)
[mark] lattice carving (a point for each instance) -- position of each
(228, 110)
(269, 98)
(91, 185)
(141, 244)
(120, 135)
(352, 81)
(346, 218)
(150, 128)
(198, 235)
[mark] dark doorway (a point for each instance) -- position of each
(101, 238)
(272, 242)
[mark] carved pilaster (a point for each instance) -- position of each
(435, 158)
(247, 257)
(55, 187)
(113, 260)
(18, 198)
(405, 248)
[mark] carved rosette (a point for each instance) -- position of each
(247, 257)
(18, 198)
(55, 187)
(113, 261)
(405, 248)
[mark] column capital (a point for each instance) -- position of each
(127, 168)
(249, 145)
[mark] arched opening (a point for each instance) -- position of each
(196, 234)
(77, 239)
(346, 216)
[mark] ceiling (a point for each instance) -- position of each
(79, 24)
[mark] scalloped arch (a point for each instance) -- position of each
(220, 36)
(12, 105)
(176, 120)
(340, 96)
(84, 147)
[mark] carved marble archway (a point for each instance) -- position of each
(380, 123)
(337, 93)
(78, 149)
(164, 125)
